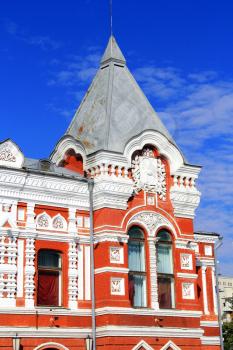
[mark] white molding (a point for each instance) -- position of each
(61, 347)
(102, 311)
(142, 344)
(156, 139)
(20, 270)
(111, 269)
(105, 331)
(87, 276)
(205, 238)
(210, 340)
(187, 275)
(209, 324)
(64, 145)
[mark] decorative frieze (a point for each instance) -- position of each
(153, 273)
(152, 221)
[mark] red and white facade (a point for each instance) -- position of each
(154, 276)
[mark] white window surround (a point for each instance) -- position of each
(49, 344)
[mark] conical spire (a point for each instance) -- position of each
(112, 53)
(114, 109)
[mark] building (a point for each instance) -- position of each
(225, 285)
(154, 276)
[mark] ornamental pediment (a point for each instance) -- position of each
(10, 155)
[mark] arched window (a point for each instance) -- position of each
(137, 268)
(165, 271)
(49, 278)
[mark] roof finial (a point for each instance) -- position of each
(110, 9)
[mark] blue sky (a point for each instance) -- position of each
(181, 54)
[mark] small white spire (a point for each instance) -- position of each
(113, 53)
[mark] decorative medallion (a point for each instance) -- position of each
(116, 255)
(7, 156)
(58, 223)
(43, 221)
(149, 174)
(186, 261)
(117, 286)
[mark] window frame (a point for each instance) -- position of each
(137, 272)
(51, 269)
(169, 276)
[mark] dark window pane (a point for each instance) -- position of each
(165, 292)
(137, 290)
(164, 258)
(136, 232)
(164, 236)
(136, 256)
(48, 259)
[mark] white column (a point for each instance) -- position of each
(29, 284)
(153, 273)
(205, 300)
(30, 216)
(72, 228)
(73, 275)
(20, 272)
(214, 290)
(80, 273)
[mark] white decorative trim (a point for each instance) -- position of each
(142, 344)
(111, 237)
(59, 223)
(187, 275)
(80, 273)
(210, 340)
(208, 250)
(63, 146)
(87, 267)
(111, 269)
(10, 155)
(105, 331)
(156, 139)
(209, 324)
(204, 286)
(171, 345)
(29, 285)
(51, 344)
(205, 238)
(73, 275)
(213, 278)
(43, 221)
(20, 272)
(152, 221)
(153, 273)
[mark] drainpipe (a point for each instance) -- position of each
(90, 188)
(217, 246)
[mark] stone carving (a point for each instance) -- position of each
(58, 223)
(187, 290)
(152, 221)
(117, 286)
(149, 174)
(8, 214)
(43, 221)
(29, 284)
(116, 255)
(73, 275)
(186, 261)
(6, 155)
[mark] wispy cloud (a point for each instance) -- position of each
(44, 42)
(198, 110)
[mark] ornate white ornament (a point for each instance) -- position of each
(6, 155)
(186, 261)
(188, 290)
(59, 223)
(149, 174)
(43, 221)
(116, 255)
(117, 286)
(152, 221)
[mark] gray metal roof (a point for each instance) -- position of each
(114, 108)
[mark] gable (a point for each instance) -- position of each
(10, 155)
